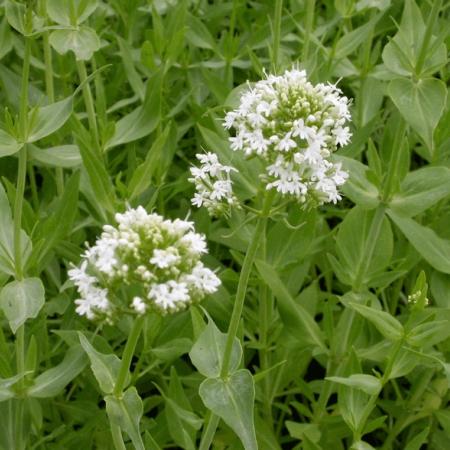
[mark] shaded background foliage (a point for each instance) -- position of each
(164, 74)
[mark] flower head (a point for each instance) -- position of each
(156, 260)
(293, 126)
(213, 185)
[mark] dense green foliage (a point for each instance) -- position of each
(344, 337)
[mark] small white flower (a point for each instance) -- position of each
(139, 305)
(165, 258)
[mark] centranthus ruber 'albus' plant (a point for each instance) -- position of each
(292, 127)
(144, 264)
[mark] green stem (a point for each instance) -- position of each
(277, 33)
(310, 7)
(128, 355)
(23, 110)
(88, 100)
(18, 204)
(50, 90)
(243, 282)
(210, 430)
(117, 437)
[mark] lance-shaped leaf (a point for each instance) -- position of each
(66, 156)
(367, 383)
(54, 380)
(429, 333)
(5, 387)
(126, 412)
(7, 264)
(433, 248)
(232, 400)
(298, 321)
(22, 300)
(143, 120)
(8, 144)
(48, 119)
(420, 190)
(207, 352)
(105, 367)
(386, 324)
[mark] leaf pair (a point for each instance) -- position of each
(231, 398)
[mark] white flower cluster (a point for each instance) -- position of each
(213, 185)
(294, 126)
(144, 263)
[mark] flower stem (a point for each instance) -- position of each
(128, 355)
(243, 282)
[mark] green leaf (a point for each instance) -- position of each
(421, 103)
(8, 144)
(367, 383)
(59, 225)
(48, 119)
(83, 42)
(197, 34)
(16, 15)
(400, 55)
(433, 249)
(358, 188)
(181, 421)
(126, 412)
(207, 352)
(7, 264)
(5, 387)
(143, 174)
(386, 324)
(98, 174)
(22, 300)
(105, 367)
(6, 43)
(349, 42)
(420, 190)
(134, 78)
(143, 120)
(295, 317)
(417, 441)
(66, 156)
(233, 401)
(304, 430)
(353, 245)
(54, 380)
(60, 10)
(429, 333)
(361, 445)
